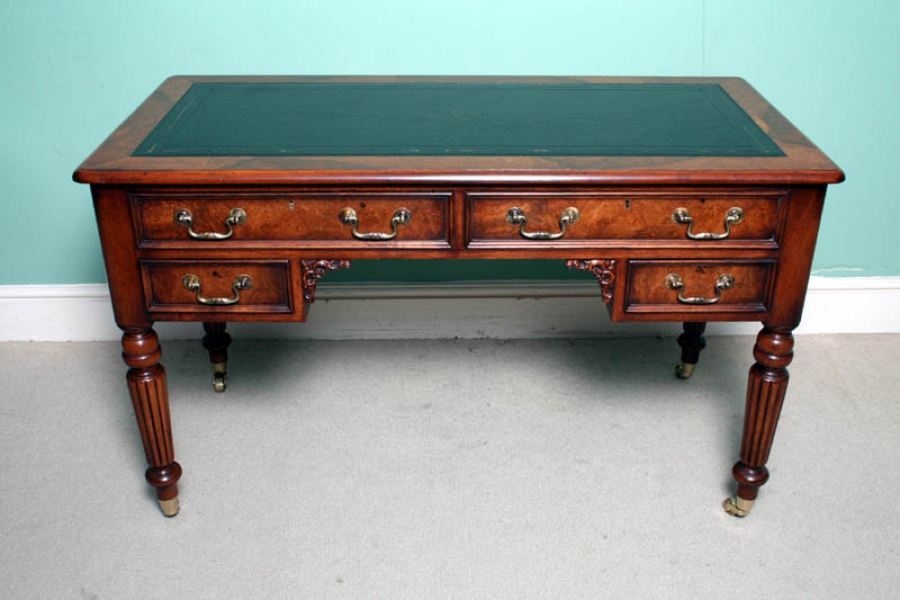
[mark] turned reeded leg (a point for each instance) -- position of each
(149, 394)
(216, 342)
(765, 395)
(691, 342)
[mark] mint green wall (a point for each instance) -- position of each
(72, 71)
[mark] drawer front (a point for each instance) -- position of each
(686, 286)
(709, 218)
(200, 288)
(306, 219)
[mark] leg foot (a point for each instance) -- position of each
(684, 370)
(216, 342)
(737, 506)
(169, 508)
(220, 381)
(163, 479)
(691, 342)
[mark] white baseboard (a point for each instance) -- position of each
(512, 310)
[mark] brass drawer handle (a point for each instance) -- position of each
(237, 216)
(241, 283)
(516, 216)
(734, 216)
(675, 282)
(402, 216)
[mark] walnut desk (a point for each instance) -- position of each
(228, 198)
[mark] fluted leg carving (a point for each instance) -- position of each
(691, 343)
(149, 395)
(766, 388)
(216, 342)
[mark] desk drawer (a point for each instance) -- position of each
(200, 288)
(705, 217)
(686, 286)
(418, 219)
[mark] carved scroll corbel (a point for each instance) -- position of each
(603, 270)
(314, 270)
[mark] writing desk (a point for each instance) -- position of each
(228, 198)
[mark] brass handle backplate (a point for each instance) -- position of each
(237, 216)
(516, 216)
(402, 216)
(734, 216)
(675, 282)
(241, 283)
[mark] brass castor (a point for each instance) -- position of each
(685, 370)
(737, 506)
(170, 508)
(219, 380)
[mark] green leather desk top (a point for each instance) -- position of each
(456, 119)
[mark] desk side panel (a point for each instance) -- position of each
(120, 256)
(801, 230)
